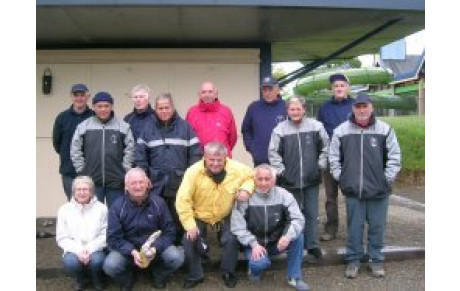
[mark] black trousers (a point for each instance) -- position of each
(331, 187)
(227, 241)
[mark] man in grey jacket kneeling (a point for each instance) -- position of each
(267, 224)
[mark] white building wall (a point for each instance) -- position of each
(235, 73)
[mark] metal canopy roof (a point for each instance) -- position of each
(298, 30)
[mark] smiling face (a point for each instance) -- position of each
(295, 111)
(363, 113)
(340, 90)
(207, 93)
(103, 110)
(264, 180)
(214, 162)
(79, 100)
(164, 109)
(136, 184)
(82, 192)
(140, 99)
(270, 94)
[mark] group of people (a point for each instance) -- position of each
(167, 180)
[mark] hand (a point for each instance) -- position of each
(137, 258)
(84, 257)
(242, 195)
(150, 253)
(193, 233)
(283, 243)
(258, 252)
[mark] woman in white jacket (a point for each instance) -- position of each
(81, 233)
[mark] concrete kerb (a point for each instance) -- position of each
(330, 257)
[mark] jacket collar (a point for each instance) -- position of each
(209, 107)
(275, 102)
(172, 121)
(79, 206)
(343, 101)
(77, 113)
(144, 113)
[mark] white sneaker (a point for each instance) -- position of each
(298, 284)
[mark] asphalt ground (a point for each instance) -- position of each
(402, 275)
(405, 268)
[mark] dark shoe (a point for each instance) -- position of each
(316, 252)
(126, 288)
(159, 284)
(254, 279)
(98, 287)
(327, 236)
(78, 285)
(229, 280)
(189, 284)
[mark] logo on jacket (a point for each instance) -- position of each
(308, 139)
(113, 138)
(373, 142)
(279, 118)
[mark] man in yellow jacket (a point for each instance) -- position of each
(206, 196)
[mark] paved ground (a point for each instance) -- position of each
(405, 275)
(405, 228)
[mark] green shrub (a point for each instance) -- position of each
(410, 132)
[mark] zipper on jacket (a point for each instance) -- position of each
(361, 166)
(103, 156)
(301, 162)
(266, 225)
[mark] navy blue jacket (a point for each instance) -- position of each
(332, 113)
(130, 225)
(64, 127)
(165, 151)
(138, 121)
(258, 123)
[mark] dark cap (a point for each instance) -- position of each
(269, 82)
(362, 98)
(338, 77)
(79, 88)
(102, 96)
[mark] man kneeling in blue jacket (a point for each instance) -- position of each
(267, 224)
(133, 218)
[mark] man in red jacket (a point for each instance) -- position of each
(212, 120)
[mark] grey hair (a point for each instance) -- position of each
(167, 96)
(83, 179)
(132, 171)
(296, 98)
(215, 148)
(140, 87)
(265, 167)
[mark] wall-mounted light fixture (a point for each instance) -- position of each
(47, 81)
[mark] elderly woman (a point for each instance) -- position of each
(81, 233)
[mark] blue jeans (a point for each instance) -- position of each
(294, 254)
(360, 211)
(307, 198)
(109, 194)
(121, 267)
(76, 268)
(67, 185)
